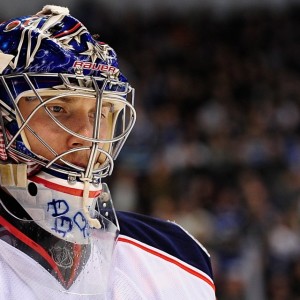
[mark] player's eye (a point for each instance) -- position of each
(56, 108)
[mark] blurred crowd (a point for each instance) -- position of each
(216, 147)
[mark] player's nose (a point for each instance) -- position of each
(82, 128)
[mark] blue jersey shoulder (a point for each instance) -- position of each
(165, 236)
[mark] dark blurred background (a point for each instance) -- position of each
(216, 146)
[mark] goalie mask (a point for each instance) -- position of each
(66, 111)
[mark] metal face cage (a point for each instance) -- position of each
(45, 88)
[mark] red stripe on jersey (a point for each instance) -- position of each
(32, 244)
(76, 263)
(61, 188)
(167, 258)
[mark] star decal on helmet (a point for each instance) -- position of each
(94, 53)
(66, 43)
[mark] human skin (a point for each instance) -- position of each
(76, 113)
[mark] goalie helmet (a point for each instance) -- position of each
(45, 59)
(49, 54)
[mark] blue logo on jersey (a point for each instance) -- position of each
(63, 224)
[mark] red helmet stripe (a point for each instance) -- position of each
(68, 31)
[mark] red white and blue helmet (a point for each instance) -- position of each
(54, 51)
(47, 56)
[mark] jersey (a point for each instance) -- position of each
(153, 260)
(159, 260)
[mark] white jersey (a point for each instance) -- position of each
(153, 260)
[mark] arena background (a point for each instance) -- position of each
(216, 146)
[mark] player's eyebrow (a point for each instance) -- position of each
(66, 99)
(70, 99)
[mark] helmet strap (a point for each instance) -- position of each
(13, 175)
(85, 198)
